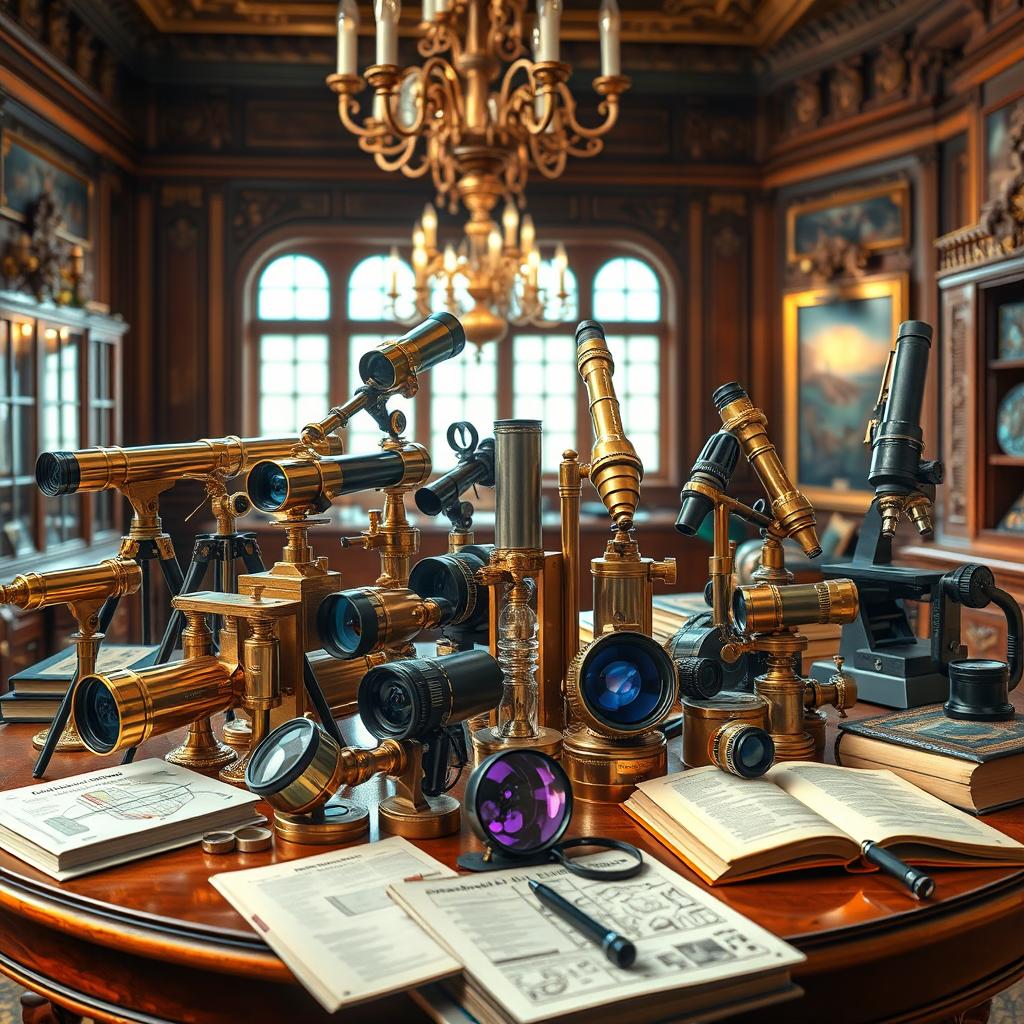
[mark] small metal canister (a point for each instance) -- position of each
(702, 720)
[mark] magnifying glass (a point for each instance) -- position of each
(519, 804)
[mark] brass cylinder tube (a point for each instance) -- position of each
(121, 709)
(517, 485)
(615, 467)
(748, 425)
(99, 469)
(262, 658)
(569, 490)
(765, 607)
(113, 577)
(339, 680)
(356, 622)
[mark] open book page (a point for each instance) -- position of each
(329, 918)
(879, 805)
(737, 817)
(537, 967)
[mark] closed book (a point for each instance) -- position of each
(17, 708)
(52, 675)
(978, 766)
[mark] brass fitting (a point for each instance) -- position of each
(767, 607)
(113, 577)
(840, 691)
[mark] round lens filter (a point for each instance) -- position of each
(519, 802)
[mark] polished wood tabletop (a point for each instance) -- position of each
(153, 940)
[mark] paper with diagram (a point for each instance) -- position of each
(72, 826)
(534, 966)
(329, 918)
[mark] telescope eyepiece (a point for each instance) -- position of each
(915, 329)
(714, 466)
(727, 394)
(440, 336)
(587, 330)
(58, 473)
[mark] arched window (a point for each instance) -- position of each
(293, 302)
(319, 310)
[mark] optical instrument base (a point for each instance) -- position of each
(605, 771)
(69, 739)
(441, 817)
(202, 751)
(338, 822)
(487, 742)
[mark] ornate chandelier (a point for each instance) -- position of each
(477, 115)
(488, 281)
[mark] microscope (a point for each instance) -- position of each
(890, 664)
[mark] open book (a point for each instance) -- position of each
(803, 814)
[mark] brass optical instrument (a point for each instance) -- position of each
(84, 590)
(119, 710)
(142, 474)
(765, 618)
(623, 685)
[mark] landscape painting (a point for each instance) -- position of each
(873, 218)
(837, 341)
(28, 171)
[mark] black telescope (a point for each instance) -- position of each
(896, 466)
(476, 467)
(714, 468)
(437, 338)
(410, 700)
(314, 483)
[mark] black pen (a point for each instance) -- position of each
(921, 886)
(616, 947)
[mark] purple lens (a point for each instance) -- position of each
(522, 801)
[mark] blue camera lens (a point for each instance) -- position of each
(627, 681)
(268, 486)
(96, 715)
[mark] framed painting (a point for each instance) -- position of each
(836, 341)
(998, 169)
(877, 217)
(27, 170)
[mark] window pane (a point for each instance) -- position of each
(463, 388)
(545, 389)
(294, 374)
(294, 288)
(370, 284)
(626, 288)
(638, 386)
(363, 434)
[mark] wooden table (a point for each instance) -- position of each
(153, 941)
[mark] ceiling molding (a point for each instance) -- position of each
(751, 23)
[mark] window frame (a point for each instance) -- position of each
(339, 256)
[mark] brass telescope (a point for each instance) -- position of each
(142, 473)
(84, 590)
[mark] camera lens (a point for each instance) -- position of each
(412, 699)
(520, 800)
(281, 757)
(452, 578)
(742, 749)
(96, 715)
(58, 473)
(268, 486)
(347, 623)
(623, 683)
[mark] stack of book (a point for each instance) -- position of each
(36, 692)
(672, 610)
(978, 766)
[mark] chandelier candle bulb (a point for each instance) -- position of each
(527, 235)
(510, 222)
(428, 11)
(348, 37)
(610, 24)
(387, 13)
(549, 16)
(429, 222)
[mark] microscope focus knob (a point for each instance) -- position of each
(970, 585)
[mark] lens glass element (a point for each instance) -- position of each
(96, 715)
(267, 486)
(282, 755)
(523, 801)
(628, 681)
